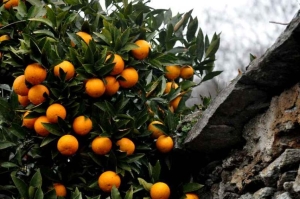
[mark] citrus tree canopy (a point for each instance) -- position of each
(97, 96)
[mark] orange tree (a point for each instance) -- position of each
(97, 98)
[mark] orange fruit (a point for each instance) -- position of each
(35, 73)
(164, 144)
(23, 100)
(172, 72)
(54, 111)
(175, 102)
(170, 85)
(19, 86)
(160, 190)
(94, 87)
(130, 77)
(191, 196)
(142, 51)
(67, 67)
(67, 145)
(119, 64)
(10, 3)
(111, 85)
(82, 125)
(60, 189)
(4, 38)
(108, 179)
(39, 127)
(101, 145)
(156, 132)
(38, 94)
(85, 36)
(186, 72)
(28, 122)
(126, 145)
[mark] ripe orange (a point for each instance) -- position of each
(175, 102)
(126, 145)
(67, 145)
(119, 64)
(191, 196)
(39, 127)
(156, 132)
(172, 72)
(23, 100)
(108, 179)
(101, 145)
(82, 125)
(85, 36)
(54, 111)
(170, 85)
(130, 76)
(60, 189)
(160, 190)
(38, 94)
(28, 122)
(143, 51)
(35, 73)
(186, 72)
(94, 87)
(111, 85)
(164, 144)
(19, 85)
(67, 67)
(10, 3)
(4, 38)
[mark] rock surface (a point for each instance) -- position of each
(249, 137)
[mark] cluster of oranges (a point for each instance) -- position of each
(173, 73)
(31, 89)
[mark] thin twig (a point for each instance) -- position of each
(12, 24)
(285, 24)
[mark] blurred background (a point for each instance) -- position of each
(245, 27)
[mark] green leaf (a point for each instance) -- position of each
(44, 32)
(211, 75)
(6, 144)
(72, 2)
(18, 131)
(51, 16)
(200, 45)
(36, 180)
(147, 186)
(50, 194)
(115, 194)
(252, 57)
(47, 140)
(124, 36)
(156, 171)
(37, 3)
(95, 158)
(43, 20)
(76, 194)
(135, 157)
(53, 129)
(39, 193)
(186, 84)
(129, 193)
(8, 165)
(190, 187)
(212, 48)
(20, 185)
